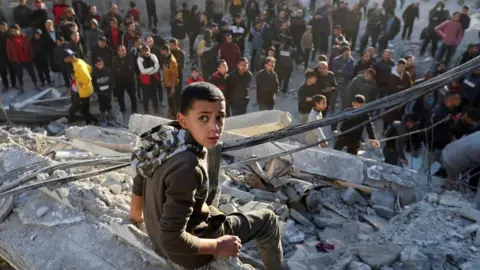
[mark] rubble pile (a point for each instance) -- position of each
(358, 214)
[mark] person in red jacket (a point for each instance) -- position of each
(229, 51)
(195, 76)
(134, 11)
(20, 54)
(59, 9)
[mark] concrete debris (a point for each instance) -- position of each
(384, 212)
(413, 259)
(432, 198)
(254, 205)
(351, 196)
(471, 265)
(383, 198)
(358, 266)
(373, 173)
(300, 219)
(277, 167)
(477, 238)
(377, 255)
(452, 198)
(261, 195)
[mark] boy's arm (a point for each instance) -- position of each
(136, 204)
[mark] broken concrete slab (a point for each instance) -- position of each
(323, 223)
(470, 265)
(384, 212)
(254, 205)
(358, 266)
(351, 196)
(115, 140)
(96, 149)
(378, 255)
(300, 218)
(247, 125)
(469, 213)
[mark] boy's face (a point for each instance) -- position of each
(59, 43)
(271, 53)
(356, 105)
(195, 74)
(205, 121)
(99, 65)
(321, 106)
(223, 68)
(411, 124)
(312, 80)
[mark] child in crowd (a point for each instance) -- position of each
(171, 187)
(102, 79)
(195, 76)
(316, 135)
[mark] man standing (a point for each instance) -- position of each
(267, 85)
(362, 85)
(41, 58)
(170, 75)
(390, 30)
(179, 55)
(383, 69)
(20, 54)
(239, 32)
(101, 50)
(409, 15)
(155, 49)
(326, 82)
(77, 46)
(398, 81)
(93, 34)
(238, 83)
(22, 16)
(305, 95)
(436, 16)
(114, 34)
(451, 32)
(6, 66)
(148, 78)
(343, 67)
(107, 18)
(230, 52)
(123, 70)
(374, 27)
(363, 64)
(152, 13)
(129, 37)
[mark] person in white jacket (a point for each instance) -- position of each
(317, 135)
(149, 78)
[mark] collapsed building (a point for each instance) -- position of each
(337, 211)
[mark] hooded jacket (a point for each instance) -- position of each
(169, 68)
(105, 53)
(360, 86)
(172, 179)
(81, 72)
(19, 49)
(103, 81)
(93, 35)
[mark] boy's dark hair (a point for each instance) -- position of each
(269, 60)
(473, 113)
(3, 23)
(401, 62)
(154, 30)
(130, 23)
(337, 27)
(408, 57)
(410, 117)
(466, 7)
(16, 27)
(199, 91)
(97, 60)
(309, 73)
(450, 94)
(455, 13)
(113, 20)
(221, 61)
(132, 4)
(165, 48)
(173, 41)
(322, 58)
(135, 39)
(371, 72)
(318, 98)
(194, 68)
(360, 99)
(243, 59)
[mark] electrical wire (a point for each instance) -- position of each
(415, 132)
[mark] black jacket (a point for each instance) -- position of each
(2, 16)
(220, 81)
(340, 17)
(38, 46)
(3, 49)
(22, 15)
(39, 17)
(105, 53)
(361, 66)
(103, 81)
(442, 133)
(58, 56)
(323, 82)
(178, 29)
(304, 107)
(383, 71)
(436, 17)
(123, 68)
(79, 48)
(267, 86)
(465, 21)
(237, 87)
(394, 29)
(354, 121)
(410, 13)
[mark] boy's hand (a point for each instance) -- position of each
(324, 144)
(136, 217)
(375, 143)
(227, 246)
(172, 91)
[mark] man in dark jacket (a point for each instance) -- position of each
(178, 30)
(130, 36)
(92, 15)
(20, 54)
(352, 139)
(152, 14)
(107, 18)
(252, 10)
(239, 32)
(389, 6)
(383, 69)
(41, 58)
(340, 15)
(267, 85)
(103, 84)
(22, 16)
(374, 27)
(465, 18)
(238, 83)
(467, 123)
(77, 46)
(39, 17)
(343, 68)
(229, 51)
(305, 95)
(470, 89)
(297, 28)
(58, 56)
(321, 30)
(393, 150)
(363, 64)
(3, 18)
(101, 50)
(123, 73)
(436, 16)
(390, 30)
(363, 85)
(326, 82)
(6, 66)
(441, 134)
(409, 15)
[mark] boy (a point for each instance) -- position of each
(41, 59)
(195, 77)
(102, 79)
(81, 85)
(172, 185)
(316, 135)
(352, 139)
(305, 94)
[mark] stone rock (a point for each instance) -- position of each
(383, 198)
(432, 198)
(262, 195)
(301, 219)
(477, 238)
(281, 196)
(470, 265)
(358, 266)
(413, 259)
(373, 173)
(323, 222)
(378, 255)
(254, 205)
(42, 211)
(351, 196)
(384, 212)
(115, 188)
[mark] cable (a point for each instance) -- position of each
(415, 132)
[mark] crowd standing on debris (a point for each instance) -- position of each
(110, 55)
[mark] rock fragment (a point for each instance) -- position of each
(413, 259)
(359, 266)
(42, 211)
(378, 255)
(351, 196)
(383, 198)
(384, 212)
(300, 218)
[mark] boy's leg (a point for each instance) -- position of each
(130, 87)
(38, 66)
(17, 67)
(29, 67)
(261, 225)
(340, 143)
(144, 89)
(120, 93)
(353, 146)
(286, 79)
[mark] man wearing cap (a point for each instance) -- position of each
(103, 51)
(20, 54)
(82, 87)
(93, 34)
(41, 58)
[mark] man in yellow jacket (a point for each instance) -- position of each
(82, 88)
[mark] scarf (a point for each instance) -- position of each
(159, 144)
